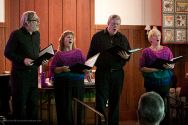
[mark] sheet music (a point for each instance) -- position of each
(91, 61)
(134, 50)
(49, 49)
(175, 58)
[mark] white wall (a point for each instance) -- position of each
(2, 11)
(132, 12)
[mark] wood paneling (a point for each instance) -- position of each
(78, 15)
(55, 23)
(2, 40)
(83, 25)
(42, 9)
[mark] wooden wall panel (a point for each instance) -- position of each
(7, 31)
(42, 9)
(26, 5)
(69, 15)
(83, 25)
(2, 44)
(14, 17)
(55, 21)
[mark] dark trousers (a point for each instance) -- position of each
(65, 91)
(24, 84)
(4, 95)
(109, 84)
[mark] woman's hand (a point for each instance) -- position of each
(88, 74)
(147, 69)
(62, 69)
(65, 69)
(168, 66)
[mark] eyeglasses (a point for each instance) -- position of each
(35, 20)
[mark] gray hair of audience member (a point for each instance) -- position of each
(27, 17)
(151, 109)
(114, 16)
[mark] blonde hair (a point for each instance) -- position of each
(62, 38)
(26, 17)
(153, 32)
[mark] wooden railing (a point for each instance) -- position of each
(99, 117)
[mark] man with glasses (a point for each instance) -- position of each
(22, 48)
(109, 75)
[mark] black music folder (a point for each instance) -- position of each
(116, 49)
(45, 54)
(79, 68)
(159, 62)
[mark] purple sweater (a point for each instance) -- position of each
(66, 58)
(149, 56)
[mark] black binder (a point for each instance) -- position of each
(116, 49)
(78, 68)
(45, 54)
(159, 62)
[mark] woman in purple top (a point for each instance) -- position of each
(159, 80)
(67, 84)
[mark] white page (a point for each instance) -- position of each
(49, 49)
(91, 61)
(134, 50)
(176, 58)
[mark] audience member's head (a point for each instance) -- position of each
(151, 109)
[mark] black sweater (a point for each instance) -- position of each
(21, 45)
(102, 41)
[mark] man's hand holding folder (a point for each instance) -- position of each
(121, 52)
(44, 55)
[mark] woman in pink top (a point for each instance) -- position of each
(67, 84)
(157, 79)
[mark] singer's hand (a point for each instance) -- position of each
(123, 54)
(44, 62)
(88, 75)
(65, 69)
(28, 62)
(168, 66)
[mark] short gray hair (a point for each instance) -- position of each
(26, 17)
(114, 16)
(151, 109)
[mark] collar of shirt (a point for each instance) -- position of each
(24, 30)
